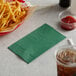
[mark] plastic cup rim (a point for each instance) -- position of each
(56, 51)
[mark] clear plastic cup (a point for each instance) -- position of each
(64, 25)
(66, 60)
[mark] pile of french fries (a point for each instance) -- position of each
(11, 13)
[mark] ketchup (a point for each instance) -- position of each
(68, 23)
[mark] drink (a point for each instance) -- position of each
(64, 3)
(66, 61)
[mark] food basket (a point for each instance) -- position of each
(29, 13)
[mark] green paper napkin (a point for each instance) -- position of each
(36, 43)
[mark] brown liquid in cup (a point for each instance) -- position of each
(65, 59)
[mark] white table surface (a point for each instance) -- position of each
(45, 65)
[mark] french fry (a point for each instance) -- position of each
(13, 17)
(1, 8)
(1, 1)
(11, 14)
(2, 13)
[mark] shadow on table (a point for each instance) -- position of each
(54, 8)
(59, 27)
(52, 12)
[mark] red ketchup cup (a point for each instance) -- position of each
(29, 13)
(67, 20)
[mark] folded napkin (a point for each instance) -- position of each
(36, 43)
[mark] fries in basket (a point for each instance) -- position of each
(11, 13)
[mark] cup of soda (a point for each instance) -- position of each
(66, 60)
